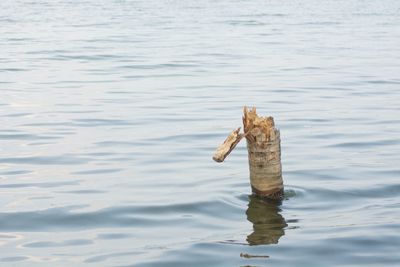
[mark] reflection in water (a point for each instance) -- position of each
(268, 224)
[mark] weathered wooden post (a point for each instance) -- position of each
(264, 153)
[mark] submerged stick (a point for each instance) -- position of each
(248, 256)
(228, 145)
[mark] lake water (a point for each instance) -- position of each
(111, 110)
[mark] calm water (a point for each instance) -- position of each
(110, 112)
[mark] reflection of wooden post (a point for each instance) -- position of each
(264, 151)
(268, 223)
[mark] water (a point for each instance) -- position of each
(111, 110)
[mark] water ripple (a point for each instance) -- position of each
(66, 243)
(123, 216)
(46, 160)
(39, 185)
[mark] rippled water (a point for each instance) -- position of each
(111, 110)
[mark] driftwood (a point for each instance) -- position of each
(249, 256)
(264, 153)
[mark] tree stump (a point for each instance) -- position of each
(264, 153)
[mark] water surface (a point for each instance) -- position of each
(111, 110)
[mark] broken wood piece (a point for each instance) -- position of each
(228, 145)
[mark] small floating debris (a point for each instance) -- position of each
(248, 256)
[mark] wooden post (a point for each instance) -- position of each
(264, 150)
(264, 153)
